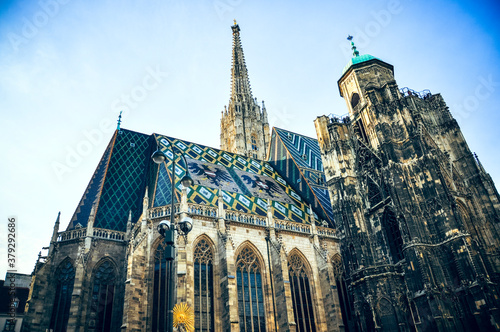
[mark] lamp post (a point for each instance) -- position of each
(167, 229)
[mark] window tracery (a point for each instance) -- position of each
(345, 299)
(301, 295)
(103, 290)
(160, 286)
(250, 293)
(65, 279)
(203, 286)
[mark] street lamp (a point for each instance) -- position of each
(167, 228)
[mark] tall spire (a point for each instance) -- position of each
(240, 83)
(244, 126)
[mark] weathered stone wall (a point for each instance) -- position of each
(396, 169)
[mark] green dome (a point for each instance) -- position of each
(358, 59)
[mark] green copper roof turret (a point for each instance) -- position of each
(356, 57)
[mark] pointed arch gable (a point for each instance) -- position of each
(205, 237)
(337, 264)
(296, 252)
(67, 259)
(258, 254)
(104, 260)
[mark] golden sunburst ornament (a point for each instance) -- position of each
(184, 317)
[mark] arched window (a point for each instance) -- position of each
(387, 316)
(462, 210)
(250, 294)
(160, 287)
(394, 239)
(301, 295)
(254, 142)
(345, 299)
(203, 287)
(103, 291)
(354, 100)
(65, 279)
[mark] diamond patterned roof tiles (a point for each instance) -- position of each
(126, 169)
(298, 159)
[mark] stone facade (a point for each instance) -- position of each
(228, 232)
(417, 214)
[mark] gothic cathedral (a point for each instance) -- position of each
(385, 222)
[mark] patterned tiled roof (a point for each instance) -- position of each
(117, 186)
(126, 170)
(298, 159)
(247, 184)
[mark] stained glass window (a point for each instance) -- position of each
(160, 287)
(103, 290)
(250, 293)
(65, 278)
(301, 295)
(203, 287)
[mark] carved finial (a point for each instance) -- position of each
(353, 47)
(119, 121)
(234, 21)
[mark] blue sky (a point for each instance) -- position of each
(67, 67)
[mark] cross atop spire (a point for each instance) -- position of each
(354, 51)
(119, 122)
(240, 83)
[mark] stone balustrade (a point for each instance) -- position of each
(202, 210)
(293, 226)
(246, 218)
(162, 211)
(100, 233)
(72, 234)
(326, 232)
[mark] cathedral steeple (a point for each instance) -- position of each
(244, 127)
(240, 83)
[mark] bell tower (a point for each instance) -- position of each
(404, 188)
(244, 125)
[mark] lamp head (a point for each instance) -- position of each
(163, 226)
(186, 225)
(187, 181)
(158, 156)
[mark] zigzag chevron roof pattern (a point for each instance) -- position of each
(298, 159)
